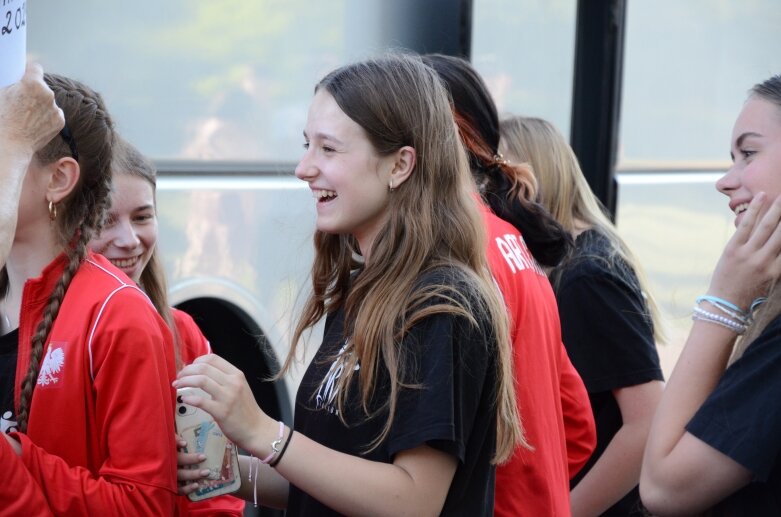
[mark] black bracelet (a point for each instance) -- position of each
(282, 452)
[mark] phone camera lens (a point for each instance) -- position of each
(182, 410)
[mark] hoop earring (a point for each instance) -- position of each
(52, 211)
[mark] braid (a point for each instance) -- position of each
(82, 210)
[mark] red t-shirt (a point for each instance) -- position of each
(552, 399)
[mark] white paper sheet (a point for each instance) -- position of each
(13, 40)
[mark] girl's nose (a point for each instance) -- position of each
(306, 170)
(729, 182)
(126, 236)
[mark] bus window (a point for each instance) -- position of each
(687, 69)
(525, 49)
(203, 80)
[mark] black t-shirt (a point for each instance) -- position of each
(453, 411)
(609, 338)
(9, 344)
(742, 419)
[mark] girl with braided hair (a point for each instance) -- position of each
(85, 359)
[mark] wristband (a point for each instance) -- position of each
(275, 444)
(282, 452)
(726, 307)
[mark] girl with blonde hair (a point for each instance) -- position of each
(608, 320)
(714, 444)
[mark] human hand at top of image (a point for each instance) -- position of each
(29, 117)
(751, 260)
(232, 405)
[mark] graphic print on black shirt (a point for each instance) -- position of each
(454, 411)
(326, 394)
(9, 345)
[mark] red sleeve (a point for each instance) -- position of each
(19, 493)
(579, 427)
(192, 342)
(133, 439)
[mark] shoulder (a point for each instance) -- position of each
(98, 287)
(192, 342)
(104, 278)
(595, 261)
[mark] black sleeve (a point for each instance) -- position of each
(742, 417)
(449, 359)
(606, 330)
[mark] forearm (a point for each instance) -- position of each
(615, 473)
(356, 486)
(272, 489)
(13, 165)
(74, 490)
(698, 370)
(19, 493)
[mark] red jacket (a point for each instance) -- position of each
(100, 437)
(193, 344)
(553, 402)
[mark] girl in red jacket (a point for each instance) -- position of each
(129, 241)
(86, 404)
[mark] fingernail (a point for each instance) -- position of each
(205, 472)
(202, 457)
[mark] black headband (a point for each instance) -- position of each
(66, 135)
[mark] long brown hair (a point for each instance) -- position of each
(432, 222)
(132, 162)
(769, 90)
(566, 194)
(80, 214)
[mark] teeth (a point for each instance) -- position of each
(323, 194)
(741, 208)
(123, 263)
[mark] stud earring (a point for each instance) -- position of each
(390, 186)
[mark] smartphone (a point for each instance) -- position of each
(203, 435)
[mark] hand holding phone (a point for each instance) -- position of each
(204, 436)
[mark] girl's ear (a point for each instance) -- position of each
(405, 164)
(63, 179)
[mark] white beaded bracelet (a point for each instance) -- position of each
(703, 315)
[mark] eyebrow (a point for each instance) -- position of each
(742, 137)
(324, 136)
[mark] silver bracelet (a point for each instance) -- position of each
(703, 315)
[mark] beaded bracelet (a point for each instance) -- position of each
(703, 315)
